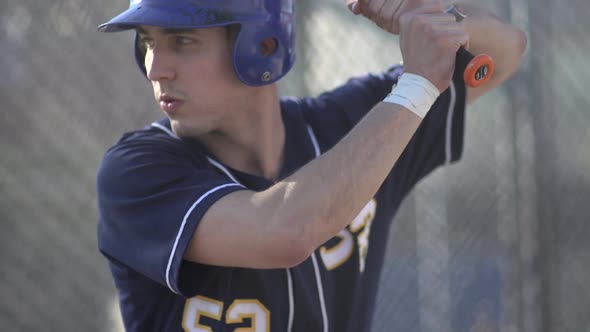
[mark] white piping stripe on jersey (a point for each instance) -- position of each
(164, 129)
(318, 278)
(212, 161)
(318, 275)
(224, 170)
(291, 301)
(181, 230)
(449, 128)
(314, 141)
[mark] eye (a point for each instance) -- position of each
(146, 43)
(182, 40)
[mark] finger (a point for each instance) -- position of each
(382, 18)
(372, 9)
(441, 25)
(442, 18)
(363, 6)
(427, 17)
(456, 38)
(413, 7)
(465, 44)
(429, 8)
(457, 30)
(464, 40)
(354, 7)
(389, 12)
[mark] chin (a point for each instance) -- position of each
(186, 130)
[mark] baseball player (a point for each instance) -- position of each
(243, 211)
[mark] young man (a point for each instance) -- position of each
(241, 211)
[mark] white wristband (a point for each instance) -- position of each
(413, 92)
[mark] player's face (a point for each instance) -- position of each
(192, 75)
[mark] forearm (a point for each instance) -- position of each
(325, 195)
(488, 34)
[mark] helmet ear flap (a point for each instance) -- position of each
(139, 55)
(261, 55)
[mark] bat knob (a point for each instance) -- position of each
(479, 70)
(476, 70)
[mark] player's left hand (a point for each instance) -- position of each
(385, 13)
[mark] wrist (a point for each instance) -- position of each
(415, 93)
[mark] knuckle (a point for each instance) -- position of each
(420, 20)
(364, 6)
(441, 41)
(430, 30)
(415, 22)
(397, 17)
(374, 6)
(405, 19)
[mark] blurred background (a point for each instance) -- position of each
(497, 242)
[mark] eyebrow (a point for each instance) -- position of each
(167, 31)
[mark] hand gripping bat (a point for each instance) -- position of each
(477, 70)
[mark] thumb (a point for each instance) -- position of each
(354, 7)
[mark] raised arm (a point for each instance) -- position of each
(282, 226)
(504, 42)
(488, 34)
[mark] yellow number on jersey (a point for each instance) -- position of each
(200, 306)
(337, 255)
(364, 220)
(253, 309)
(240, 309)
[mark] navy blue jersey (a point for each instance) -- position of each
(153, 189)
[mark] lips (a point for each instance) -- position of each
(170, 104)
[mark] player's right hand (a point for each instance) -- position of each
(429, 41)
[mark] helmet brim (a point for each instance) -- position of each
(173, 16)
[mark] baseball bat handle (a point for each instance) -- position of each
(477, 70)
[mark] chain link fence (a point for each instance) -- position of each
(497, 242)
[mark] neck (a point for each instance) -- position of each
(252, 138)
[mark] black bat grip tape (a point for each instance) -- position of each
(463, 59)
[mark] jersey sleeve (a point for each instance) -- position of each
(438, 140)
(152, 193)
(334, 113)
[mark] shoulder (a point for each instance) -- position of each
(141, 156)
(140, 145)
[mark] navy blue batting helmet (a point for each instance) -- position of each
(258, 20)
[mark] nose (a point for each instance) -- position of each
(159, 65)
